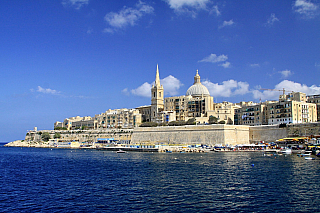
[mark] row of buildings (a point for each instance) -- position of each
(294, 107)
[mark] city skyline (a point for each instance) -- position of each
(66, 58)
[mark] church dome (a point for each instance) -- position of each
(197, 89)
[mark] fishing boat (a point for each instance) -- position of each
(121, 151)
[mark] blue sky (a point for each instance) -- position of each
(65, 58)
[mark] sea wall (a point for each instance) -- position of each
(190, 134)
(267, 133)
(204, 134)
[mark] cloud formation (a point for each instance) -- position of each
(77, 4)
(227, 88)
(171, 86)
(254, 65)
(288, 86)
(128, 16)
(272, 19)
(215, 10)
(285, 73)
(227, 23)
(179, 4)
(213, 58)
(306, 8)
(144, 90)
(192, 6)
(47, 91)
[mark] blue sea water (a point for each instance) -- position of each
(73, 180)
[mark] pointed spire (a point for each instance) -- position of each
(157, 81)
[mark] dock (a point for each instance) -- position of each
(128, 149)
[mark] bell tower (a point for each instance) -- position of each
(157, 98)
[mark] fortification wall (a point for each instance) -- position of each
(273, 133)
(206, 134)
(267, 133)
(82, 135)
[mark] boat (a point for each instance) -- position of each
(121, 151)
(286, 151)
(309, 158)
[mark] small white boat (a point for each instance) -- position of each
(286, 151)
(309, 158)
(121, 151)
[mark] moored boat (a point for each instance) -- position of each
(309, 158)
(286, 151)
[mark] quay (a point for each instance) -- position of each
(128, 149)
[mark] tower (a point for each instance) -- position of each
(156, 98)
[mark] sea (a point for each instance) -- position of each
(74, 180)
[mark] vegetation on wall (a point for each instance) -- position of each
(45, 136)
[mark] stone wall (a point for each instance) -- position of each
(267, 133)
(201, 134)
(204, 134)
(273, 132)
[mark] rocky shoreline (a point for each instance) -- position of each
(23, 143)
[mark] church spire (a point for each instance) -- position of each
(157, 81)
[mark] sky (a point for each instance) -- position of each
(65, 58)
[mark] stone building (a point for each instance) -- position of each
(316, 100)
(118, 118)
(195, 104)
(157, 96)
(291, 108)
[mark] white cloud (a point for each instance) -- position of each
(254, 65)
(144, 90)
(125, 91)
(47, 91)
(126, 16)
(178, 4)
(215, 10)
(306, 8)
(170, 84)
(226, 64)
(285, 73)
(213, 58)
(227, 23)
(272, 19)
(192, 6)
(288, 86)
(77, 4)
(227, 88)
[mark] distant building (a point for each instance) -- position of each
(316, 100)
(195, 104)
(157, 96)
(291, 108)
(198, 104)
(118, 118)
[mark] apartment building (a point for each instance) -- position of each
(316, 100)
(124, 118)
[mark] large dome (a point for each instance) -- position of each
(197, 89)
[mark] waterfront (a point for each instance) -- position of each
(73, 180)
